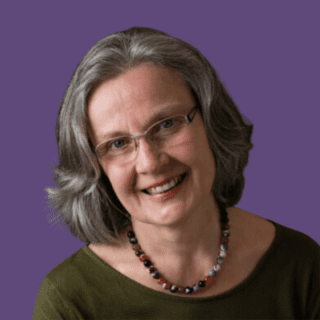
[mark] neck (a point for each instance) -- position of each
(184, 252)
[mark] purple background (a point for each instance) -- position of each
(266, 53)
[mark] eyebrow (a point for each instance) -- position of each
(164, 113)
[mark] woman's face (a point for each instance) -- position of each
(130, 104)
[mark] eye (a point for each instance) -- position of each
(118, 143)
(168, 123)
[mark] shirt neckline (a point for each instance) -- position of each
(160, 295)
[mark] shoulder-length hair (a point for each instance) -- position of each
(84, 199)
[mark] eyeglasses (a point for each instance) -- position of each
(170, 131)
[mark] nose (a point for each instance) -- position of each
(149, 158)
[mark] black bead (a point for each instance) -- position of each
(155, 275)
(151, 270)
(131, 234)
(147, 263)
(188, 290)
(133, 240)
(223, 214)
(138, 253)
(173, 289)
(224, 227)
(202, 283)
(224, 219)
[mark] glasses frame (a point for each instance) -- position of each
(189, 117)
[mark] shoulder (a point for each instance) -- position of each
(254, 239)
(78, 287)
(296, 240)
(257, 240)
(283, 261)
(68, 269)
(58, 289)
(76, 274)
(297, 250)
(262, 233)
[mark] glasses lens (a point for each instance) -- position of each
(166, 130)
(116, 147)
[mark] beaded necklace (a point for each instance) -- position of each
(208, 279)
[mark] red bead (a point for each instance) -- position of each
(181, 289)
(162, 280)
(144, 257)
(224, 240)
(167, 285)
(208, 279)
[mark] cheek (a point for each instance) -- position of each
(121, 179)
(201, 158)
(198, 149)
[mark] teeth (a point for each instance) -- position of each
(165, 186)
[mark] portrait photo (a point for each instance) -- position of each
(161, 160)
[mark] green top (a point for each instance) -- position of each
(284, 285)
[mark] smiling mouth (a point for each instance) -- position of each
(166, 186)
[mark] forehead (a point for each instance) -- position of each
(133, 98)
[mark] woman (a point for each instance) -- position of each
(152, 153)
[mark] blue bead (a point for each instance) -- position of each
(195, 288)
(219, 260)
(224, 246)
(212, 273)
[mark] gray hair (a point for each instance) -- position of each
(84, 199)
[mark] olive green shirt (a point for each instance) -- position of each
(284, 285)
